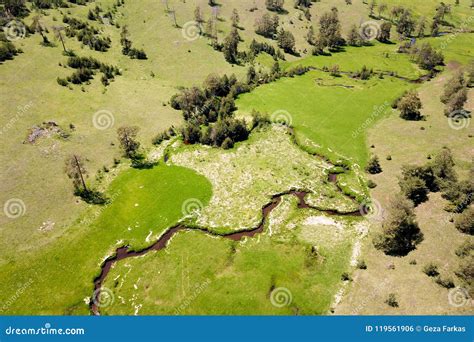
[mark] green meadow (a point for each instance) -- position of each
(325, 110)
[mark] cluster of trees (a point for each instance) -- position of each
(127, 48)
(7, 48)
(85, 70)
(455, 93)
(86, 34)
(400, 233)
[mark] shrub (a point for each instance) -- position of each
(62, 81)
(361, 265)
(345, 277)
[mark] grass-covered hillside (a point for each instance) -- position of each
(295, 124)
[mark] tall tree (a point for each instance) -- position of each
(58, 33)
(230, 46)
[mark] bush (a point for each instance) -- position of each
(345, 277)
(445, 282)
(62, 81)
(392, 300)
(361, 265)
(466, 249)
(409, 106)
(431, 270)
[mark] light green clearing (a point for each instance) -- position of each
(59, 280)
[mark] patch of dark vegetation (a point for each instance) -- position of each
(400, 232)
(409, 105)
(465, 221)
(86, 67)
(209, 111)
(364, 74)
(76, 171)
(46, 129)
(431, 270)
(392, 300)
(86, 34)
(373, 166)
(127, 48)
(8, 51)
(361, 264)
(447, 283)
